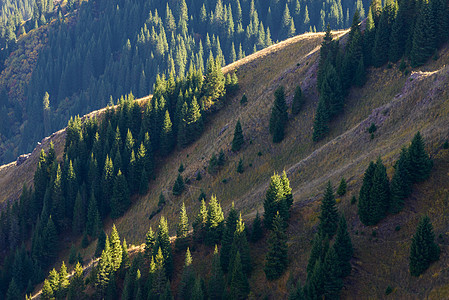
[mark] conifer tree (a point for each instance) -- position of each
(120, 197)
(342, 187)
(47, 291)
(13, 292)
(240, 244)
(199, 225)
(420, 163)
(275, 201)
(287, 197)
(216, 280)
(187, 279)
(163, 242)
(143, 186)
(423, 250)
(343, 248)
(228, 237)
(298, 100)
(369, 38)
(104, 270)
(276, 260)
(160, 278)
(364, 203)
(101, 243)
(178, 187)
(63, 283)
(400, 186)
(424, 39)
(116, 249)
(238, 140)
(257, 231)
(76, 288)
(197, 291)
(279, 116)
(183, 229)
(240, 168)
(214, 222)
(78, 222)
(379, 193)
(93, 223)
(239, 287)
(150, 241)
(329, 214)
(332, 281)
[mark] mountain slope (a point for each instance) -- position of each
(398, 104)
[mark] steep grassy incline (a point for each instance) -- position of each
(398, 104)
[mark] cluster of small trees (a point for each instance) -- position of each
(378, 196)
(329, 260)
(104, 163)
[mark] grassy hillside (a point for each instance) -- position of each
(398, 104)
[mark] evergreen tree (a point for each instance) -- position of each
(116, 249)
(275, 201)
(276, 260)
(197, 291)
(257, 231)
(228, 237)
(320, 127)
(101, 243)
(199, 225)
(187, 279)
(167, 138)
(343, 248)
(240, 168)
(287, 197)
(332, 282)
(342, 187)
(104, 270)
(238, 140)
(400, 186)
(420, 163)
(423, 250)
(76, 288)
(279, 116)
(298, 100)
(183, 229)
(178, 187)
(150, 241)
(13, 292)
(379, 193)
(120, 197)
(47, 291)
(240, 244)
(93, 223)
(160, 278)
(216, 280)
(78, 222)
(214, 222)
(163, 242)
(63, 283)
(239, 287)
(329, 214)
(424, 39)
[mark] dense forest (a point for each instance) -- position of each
(111, 48)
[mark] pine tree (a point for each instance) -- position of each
(342, 187)
(329, 214)
(239, 287)
(228, 237)
(238, 140)
(183, 229)
(199, 225)
(420, 163)
(116, 249)
(104, 270)
(275, 201)
(364, 203)
(120, 197)
(63, 283)
(298, 101)
(178, 187)
(216, 280)
(76, 288)
(187, 279)
(423, 250)
(279, 116)
(379, 193)
(240, 168)
(276, 260)
(160, 278)
(399, 34)
(150, 241)
(101, 243)
(424, 39)
(47, 291)
(400, 187)
(332, 281)
(343, 248)
(78, 222)
(240, 244)
(13, 292)
(214, 222)
(257, 231)
(93, 223)
(163, 242)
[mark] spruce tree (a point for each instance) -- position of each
(178, 187)
(199, 225)
(379, 193)
(288, 196)
(238, 140)
(197, 291)
(420, 163)
(93, 223)
(159, 278)
(183, 229)
(187, 279)
(343, 248)
(279, 116)
(276, 259)
(116, 249)
(101, 243)
(78, 222)
(332, 281)
(47, 291)
(13, 292)
(342, 187)
(214, 222)
(76, 288)
(423, 250)
(257, 230)
(120, 196)
(63, 283)
(163, 242)
(400, 187)
(167, 135)
(424, 39)
(240, 244)
(364, 203)
(240, 168)
(329, 213)
(216, 280)
(228, 237)
(239, 287)
(150, 241)
(275, 201)
(320, 127)
(298, 101)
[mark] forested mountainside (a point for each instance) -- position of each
(110, 48)
(204, 148)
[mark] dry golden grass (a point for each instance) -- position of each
(399, 105)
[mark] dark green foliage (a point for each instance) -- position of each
(240, 244)
(320, 127)
(93, 224)
(76, 288)
(420, 163)
(181, 168)
(214, 222)
(238, 140)
(298, 101)
(101, 243)
(228, 237)
(216, 280)
(221, 158)
(446, 145)
(256, 230)
(424, 36)
(178, 187)
(329, 214)
(400, 187)
(120, 197)
(150, 241)
(213, 164)
(342, 187)
(276, 260)
(388, 290)
(240, 168)
(372, 128)
(13, 291)
(199, 224)
(244, 100)
(239, 287)
(163, 243)
(188, 278)
(161, 201)
(297, 293)
(198, 176)
(274, 202)
(353, 200)
(72, 255)
(343, 248)
(85, 241)
(423, 250)
(279, 116)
